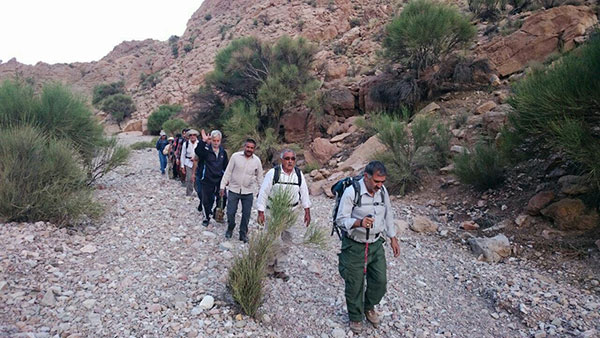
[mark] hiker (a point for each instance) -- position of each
(284, 176)
(174, 156)
(168, 151)
(243, 174)
(214, 161)
(187, 160)
(161, 143)
(179, 144)
(362, 255)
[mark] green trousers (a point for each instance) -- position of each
(351, 267)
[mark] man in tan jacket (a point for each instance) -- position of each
(242, 176)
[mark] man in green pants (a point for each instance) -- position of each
(364, 225)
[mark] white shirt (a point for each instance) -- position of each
(243, 174)
(187, 154)
(299, 194)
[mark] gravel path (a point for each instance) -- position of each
(147, 267)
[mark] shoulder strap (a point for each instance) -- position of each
(299, 174)
(276, 174)
(357, 197)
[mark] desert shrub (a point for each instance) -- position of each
(315, 236)
(149, 80)
(246, 275)
(410, 148)
(141, 145)
(103, 91)
(120, 106)
(159, 116)
(207, 17)
(174, 126)
(207, 108)
(482, 167)
(354, 22)
(41, 178)
(395, 94)
(105, 157)
(242, 124)
(308, 167)
(425, 32)
(558, 106)
(487, 9)
(173, 40)
(188, 48)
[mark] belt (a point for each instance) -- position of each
(291, 205)
(377, 237)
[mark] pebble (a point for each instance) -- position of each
(89, 248)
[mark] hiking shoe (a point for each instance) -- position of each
(356, 327)
(373, 317)
(244, 239)
(228, 234)
(200, 207)
(205, 222)
(281, 275)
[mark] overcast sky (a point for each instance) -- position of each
(56, 31)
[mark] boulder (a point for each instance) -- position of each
(469, 225)
(322, 150)
(340, 137)
(538, 202)
(335, 70)
(363, 154)
(485, 107)
(401, 226)
(540, 35)
(133, 126)
(333, 129)
(423, 224)
(340, 101)
(570, 214)
(573, 185)
(298, 125)
(430, 108)
(493, 249)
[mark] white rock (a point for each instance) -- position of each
(89, 248)
(49, 299)
(338, 333)
(207, 302)
(89, 303)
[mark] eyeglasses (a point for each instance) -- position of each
(289, 158)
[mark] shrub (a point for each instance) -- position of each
(159, 116)
(207, 17)
(354, 22)
(394, 95)
(487, 9)
(106, 157)
(173, 40)
(315, 236)
(174, 126)
(41, 178)
(142, 145)
(188, 48)
(410, 148)
(425, 32)
(308, 167)
(242, 124)
(482, 168)
(119, 106)
(103, 91)
(207, 108)
(149, 80)
(558, 107)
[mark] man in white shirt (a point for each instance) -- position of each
(242, 176)
(285, 176)
(187, 160)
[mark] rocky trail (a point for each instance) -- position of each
(149, 268)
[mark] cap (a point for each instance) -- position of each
(193, 132)
(162, 133)
(171, 138)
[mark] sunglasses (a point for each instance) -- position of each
(289, 158)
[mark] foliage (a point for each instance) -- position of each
(173, 40)
(207, 17)
(242, 124)
(174, 126)
(354, 22)
(558, 107)
(188, 48)
(159, 116)
(316, 236)
(421, 145)
(208, 107)
(41, 178)
(396, 95)
(106, 157)
(247, 272)
(482, 167)
(425, 32)
(103, 91)
(148, 81)
(308, 167)
(487, 9)
(120, 106)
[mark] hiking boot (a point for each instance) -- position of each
(244, 238)
(200, 207)
(228, 234)
(356, 327)
(205, 222)
(281, 275)
(373, 317)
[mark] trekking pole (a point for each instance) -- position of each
(367, 247)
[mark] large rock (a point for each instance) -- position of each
(322, 150)
(493, 249)
(570, 214)
(335, 70)
(538, 202)
(540, 35)
(133, 126)
(573, 185)
(298, 125)
(494, 120)
(363, 154)
(340, 101)
(423, 224)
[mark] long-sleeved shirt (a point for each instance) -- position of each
(161, 144)
(377, 205)
(213, 162)
(299, 193)
(187, 153)
(243, 174)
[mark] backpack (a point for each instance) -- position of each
(338, 190)
(166, 149)
(277, 173)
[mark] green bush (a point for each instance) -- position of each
(120, 106)
(174, 126)
(173, 40)
(487, 9)
(242, 124)
(103, 91)
(482, 167)
(354, 22)
(41, 178)
(558, 106)
(159, 116)
(149, 80)
(422, 145)
(425, 32)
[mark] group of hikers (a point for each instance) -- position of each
(363, 219)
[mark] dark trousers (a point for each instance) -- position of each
(351, 267)
(232, 210)
(210, 191)
(199, 183)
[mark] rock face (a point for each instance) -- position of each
(340, 101)
(570, 214)
(493, 249)
(322, 150)
(361, 155)
(541, 34)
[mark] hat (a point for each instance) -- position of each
(171, 138)
(193, 132)
(162, 133)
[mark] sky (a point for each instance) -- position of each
(65, 31)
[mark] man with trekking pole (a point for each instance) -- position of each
(364, 225)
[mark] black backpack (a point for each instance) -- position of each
(277, 173)
(338, 190)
